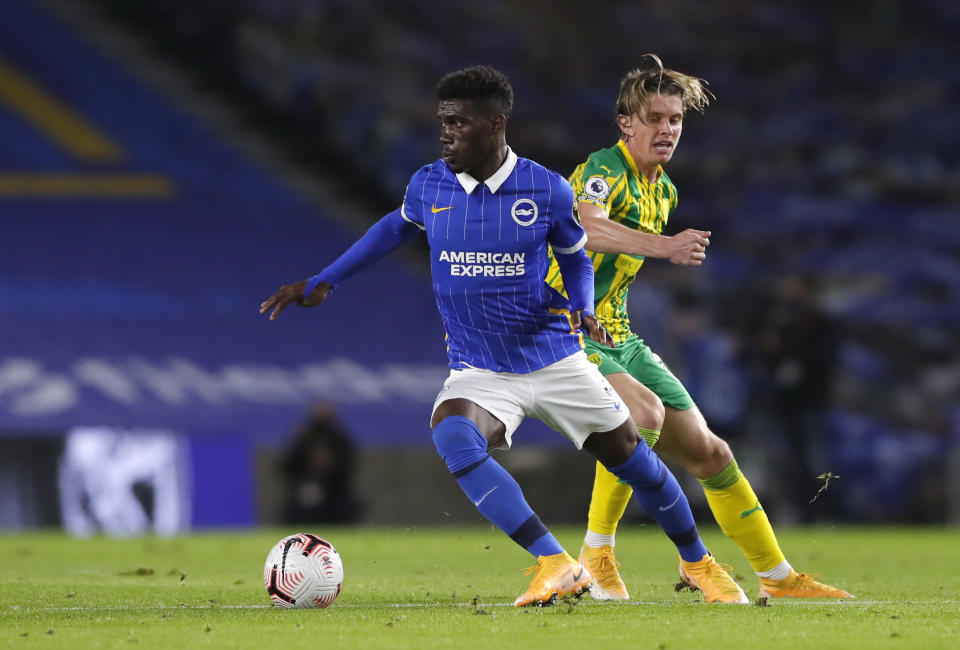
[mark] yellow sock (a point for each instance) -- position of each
(610, 496)
(737, 509)
(608, 503)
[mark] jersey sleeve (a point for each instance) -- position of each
(384, 236)
(413, 207)
(594, 182)
(566, 234)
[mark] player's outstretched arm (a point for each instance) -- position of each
(688, 248)
(384, 236)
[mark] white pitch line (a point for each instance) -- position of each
(789, 603)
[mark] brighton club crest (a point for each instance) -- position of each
(524, 211)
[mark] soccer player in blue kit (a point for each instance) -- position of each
(513, 342)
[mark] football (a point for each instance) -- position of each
(303, 571)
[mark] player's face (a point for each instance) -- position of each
(656, 132)
(467, 135)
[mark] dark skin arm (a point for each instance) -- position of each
(293, 293)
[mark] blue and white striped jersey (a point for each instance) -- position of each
(489, 259)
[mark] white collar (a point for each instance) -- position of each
(470, 183)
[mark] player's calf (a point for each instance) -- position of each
(654, 484)
(489, 486)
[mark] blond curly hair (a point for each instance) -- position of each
(650, 77)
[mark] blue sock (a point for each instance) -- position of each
(661, 496)
(490, 487)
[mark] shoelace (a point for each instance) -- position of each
(726, 567)
(540, 566)
(531, 569)
(545, 566)
(808, 578)
(714, 567)
(607, 567)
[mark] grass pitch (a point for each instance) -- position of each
(453, 588)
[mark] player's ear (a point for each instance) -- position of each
(625, 122)
(498, 123)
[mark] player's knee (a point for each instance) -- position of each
(720, 452)
(646, 409)
(630, 459)
(616, 446)
(713, 457)
(459, 442)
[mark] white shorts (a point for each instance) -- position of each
(569, 396)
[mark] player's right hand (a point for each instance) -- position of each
(688, 248)
(595, 330)
(293, 293)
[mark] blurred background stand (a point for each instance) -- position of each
(318, 467)
(124, 482)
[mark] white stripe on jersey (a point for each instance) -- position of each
(436, 196)
(447, 215)
(516, 186)
(403, 213)
(473, 324)
(549, 190)
(573, 249)
(436, 291)
(503, 319)
(500, 220)
(487, 319)
(552, 351)
(423, 189)
(516, 309)
(549, 196)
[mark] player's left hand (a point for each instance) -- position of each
(688, 248)
(293, 293)
(593, 326)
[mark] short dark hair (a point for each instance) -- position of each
(481, 83)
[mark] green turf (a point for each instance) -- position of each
(452, 588)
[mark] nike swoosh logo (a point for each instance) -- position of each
(747, 513)
(480, 500)
(665, 508)
(434, 209)
(617, 406)
(577, 575)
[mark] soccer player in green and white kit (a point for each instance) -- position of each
(623, 198)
